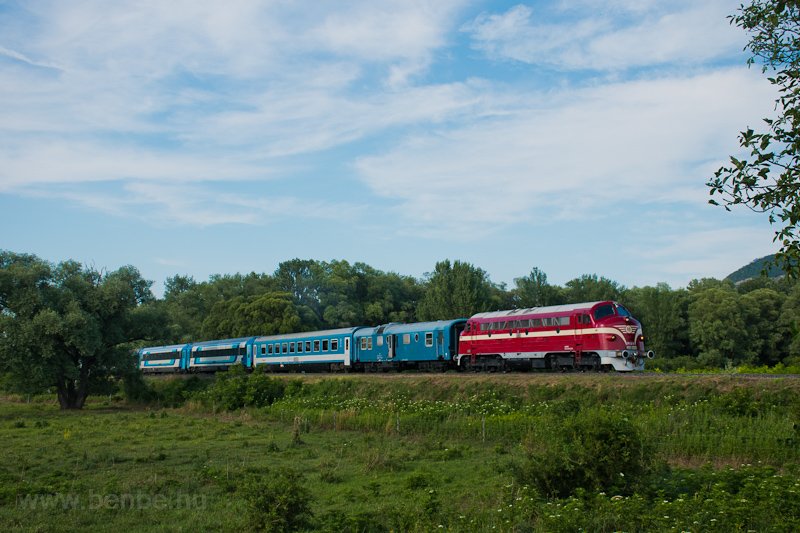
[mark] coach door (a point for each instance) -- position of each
(347, 351)
(390, 344)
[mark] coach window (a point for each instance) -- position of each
(291, 347)
(416, 337)
(428, 340)
(325, 345)
(334, 345)
(316, 346)
(563, 320)
(300, 347)
(379, 340)
(263, 349)
(308, 346)
(406, 338)
(285, 347)
(363, 343)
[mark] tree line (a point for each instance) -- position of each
(72, 328)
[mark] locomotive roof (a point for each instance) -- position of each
(549, 310)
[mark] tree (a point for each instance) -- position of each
(70, 327)
(533, 290)
(767, 180)
(455, 290)
(769, 338)
(590, 288)
(662, 313)
(269, 314)
(717, 327)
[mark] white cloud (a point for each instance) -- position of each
(705, 252)
(688, 34)
(593, 148)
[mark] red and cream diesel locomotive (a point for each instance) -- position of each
(592, 335)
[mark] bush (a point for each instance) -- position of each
(166, 391)
(235, 389)
(276, 501)
(593, 450)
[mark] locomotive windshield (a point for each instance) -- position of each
(621, 311)
(603, 311)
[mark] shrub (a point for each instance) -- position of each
(593, 450)
(235, 389)
(277, 501)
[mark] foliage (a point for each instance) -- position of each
(591, 288)
(597, 450)
(533, 290)
(70, 327)
(663, 312)
(276, 501)
(717, 327)
(730, 447)
(455, 290)
(235, 389)
(268, 314)
(767, 179)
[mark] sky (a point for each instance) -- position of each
(199, 138)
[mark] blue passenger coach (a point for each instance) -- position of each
(424, 345)
(209, 356)
(173, 358)
(329, 349)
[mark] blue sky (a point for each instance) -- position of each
(218, 137)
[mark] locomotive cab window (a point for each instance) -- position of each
(603, 311)
(621, 311)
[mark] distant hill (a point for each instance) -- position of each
(754, 269)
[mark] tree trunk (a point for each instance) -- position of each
(70, 396)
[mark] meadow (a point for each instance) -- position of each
(397, 452)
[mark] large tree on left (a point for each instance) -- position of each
(68, 327)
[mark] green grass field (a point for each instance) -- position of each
(409, 453)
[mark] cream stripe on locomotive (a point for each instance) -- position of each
(563, 332)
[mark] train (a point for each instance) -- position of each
(600, 335)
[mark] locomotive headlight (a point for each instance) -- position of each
(612, 337)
